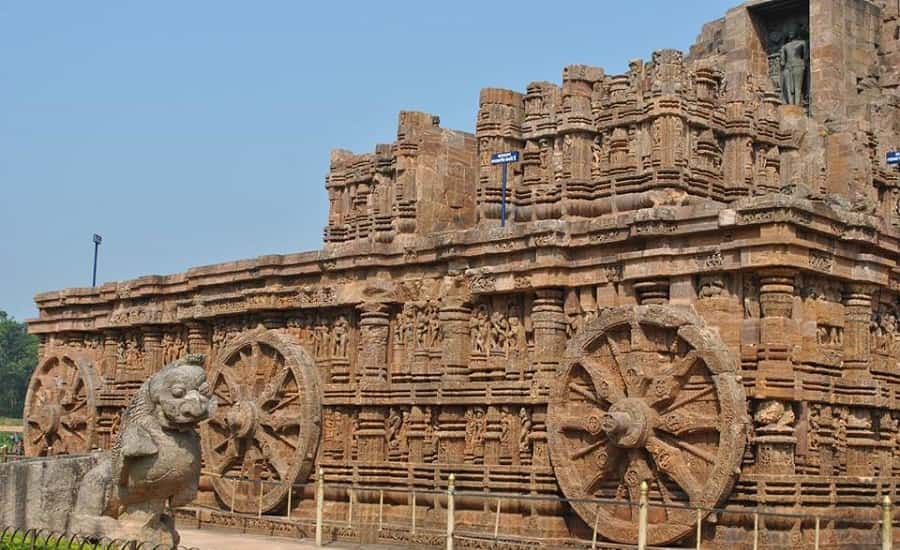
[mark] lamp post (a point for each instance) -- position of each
(97, 240)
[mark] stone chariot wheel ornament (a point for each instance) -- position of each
(647, 394)
(60, 405)
(267, 423)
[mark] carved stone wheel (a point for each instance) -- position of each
(647, 394)
(60, 407)
(267, 424)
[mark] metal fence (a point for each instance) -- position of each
(41, 539)
(447, 529)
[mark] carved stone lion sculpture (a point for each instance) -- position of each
(154, 465)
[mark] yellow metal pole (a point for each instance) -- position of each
(887, 528)
(259, 509)
(413, 530)
(380, 509)
(320, 505)
(497, 520)
(817, 534)
(290, 500)
(234, 489)
(642, 517)
(451, 509)
(755, 530)
(699, 527)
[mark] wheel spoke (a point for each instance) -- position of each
(607, 463)
(584, 451)
(689, 398)
(604, 379)
(683, 423)
(683, 365)
(274, 457)
(672, 462)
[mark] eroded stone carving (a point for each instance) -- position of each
(154, 466)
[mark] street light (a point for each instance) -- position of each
(97, 240)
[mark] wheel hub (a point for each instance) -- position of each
(628, 423)
(243, 418)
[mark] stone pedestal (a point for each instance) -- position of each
(451, 435)
(198, 337)
(454, 317)
(549, 320)
(371, 435)
(373, 340)
(857, 344)
(152, 350)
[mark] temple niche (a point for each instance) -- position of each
(783, 28)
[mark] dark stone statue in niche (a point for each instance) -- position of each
(784, 33)
(793, 58)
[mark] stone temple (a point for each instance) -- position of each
(696, 285)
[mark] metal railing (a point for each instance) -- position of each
(442, 524)
(6, 455)
(40, 539)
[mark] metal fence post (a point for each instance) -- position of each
(380, 509)
(817, 534)
(259, 509)
(699, 527)
(290, 500)
(887, 528)
(320, 504)
(497, 520)
(234, 489)
(596, 524)
(755, 530)
(451, 508)
(351, 494)
(412, 530)
(642, 517)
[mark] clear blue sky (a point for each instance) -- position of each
(190, 133)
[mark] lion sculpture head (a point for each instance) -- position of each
(178, 395)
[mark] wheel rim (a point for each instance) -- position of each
(647, 394)
(266, 427)
(60, 409)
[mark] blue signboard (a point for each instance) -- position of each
(504, 158)
(893, 157)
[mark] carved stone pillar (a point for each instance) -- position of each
(454, 317)
(492, 433)
(654, 292)
(152, 349)
(857, 318)
(75, 340)
(416, 435)
(371, 435)
(775, 438)
(775, 371)
(198, 337)
(273, 319)
(110, 352)
(539, 455)
(373, 340)
(549, 321)
(42, 345)
(861, 443)
(451, 435)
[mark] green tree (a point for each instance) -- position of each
(18, 359)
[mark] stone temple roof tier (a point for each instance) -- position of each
(697, 285)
